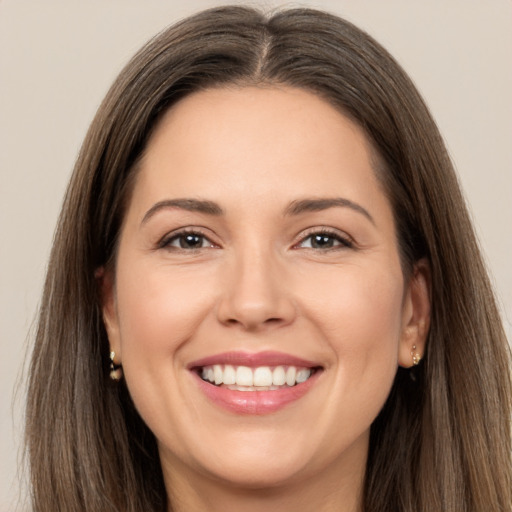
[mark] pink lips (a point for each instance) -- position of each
(254, 402)
(267, 358)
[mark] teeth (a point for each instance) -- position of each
(244, 376)
(217, 374)
(290, 375)
(253, 388)
(262, 378)
(302, 376)
(229, 375)
(278, 376)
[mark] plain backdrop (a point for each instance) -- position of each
(57, 60)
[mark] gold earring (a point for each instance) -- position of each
(416, 358)
(116, 370)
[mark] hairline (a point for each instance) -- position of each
(377, 162)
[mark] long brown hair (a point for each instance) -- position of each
(441, 442)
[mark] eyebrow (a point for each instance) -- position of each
(191, 205)
(317, 205)
(294, 208)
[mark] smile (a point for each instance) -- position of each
(261, 383)
(262, 378)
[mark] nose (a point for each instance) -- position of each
(255, 295)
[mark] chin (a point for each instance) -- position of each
(243, 462)
(258, 474)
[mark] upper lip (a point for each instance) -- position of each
(253, 360)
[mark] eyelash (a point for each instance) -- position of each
(344, 241)
(166, 242)
(333, 236)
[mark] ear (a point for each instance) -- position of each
(415, 315)
(107, 290)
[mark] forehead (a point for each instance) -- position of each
(255, 140)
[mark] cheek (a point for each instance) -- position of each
(359, 311)
(361, 322)
(158, 310)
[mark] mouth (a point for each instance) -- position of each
(261, 378)
(254, 383)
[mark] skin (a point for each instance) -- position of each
(254, 283)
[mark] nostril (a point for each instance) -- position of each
(254, 323)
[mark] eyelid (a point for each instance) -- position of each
(164, 242)
(346, 241)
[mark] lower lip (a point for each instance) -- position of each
(255, 402)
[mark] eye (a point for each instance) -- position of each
(324, 240)
(188, 240)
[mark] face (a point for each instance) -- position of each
(258, 305)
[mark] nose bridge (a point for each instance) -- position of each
(255, 295)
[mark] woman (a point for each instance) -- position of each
(265, 290)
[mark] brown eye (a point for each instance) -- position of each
(190, 241)
(187, 241)
(324, 241)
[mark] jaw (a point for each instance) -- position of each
(272, 484)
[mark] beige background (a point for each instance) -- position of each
(57, 60)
